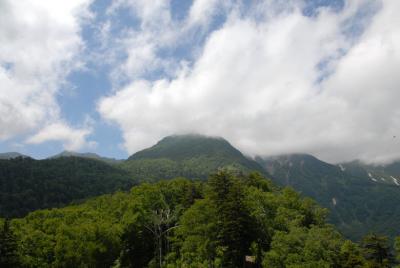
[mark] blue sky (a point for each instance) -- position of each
(113, 77)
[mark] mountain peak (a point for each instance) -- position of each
(192, 156)
(178, 147)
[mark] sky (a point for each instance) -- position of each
(272, 77)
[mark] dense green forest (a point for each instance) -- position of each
(231, 220)
(27, 184)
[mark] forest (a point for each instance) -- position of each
(230, 220)
(27, 184)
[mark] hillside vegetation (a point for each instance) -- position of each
(357, 203)
(27, 184)
(190, 156)
(230, 221)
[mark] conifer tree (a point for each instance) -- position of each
(377, 250)
(397, 248)
(233, 218)
(8, 247)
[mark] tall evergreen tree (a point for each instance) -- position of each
(8, 247)
(377, 250)
(233, 218)
(397, 248)
(138, 247)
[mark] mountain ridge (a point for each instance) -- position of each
(27, 184)
(11, 155)
(357, 201)
(89, 155)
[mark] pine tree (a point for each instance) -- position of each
(377, 250)
(233, 223)
(8, 247)
(397, 248)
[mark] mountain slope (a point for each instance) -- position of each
(357, 203)
(27, 184)
(11, 155)
(191, 156)
(86, 155)
(386, 174)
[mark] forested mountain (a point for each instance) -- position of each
(27, 184)
(230, 221)
(361, 198)
(359, 202)
(191, 156)
(387, 174)
(11, 155)
(86, 155)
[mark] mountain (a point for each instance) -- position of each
(359, 201)
(11, 155)
(86, 155)
(27, 184)
(360, 197)
(191, 156)
(386, 174)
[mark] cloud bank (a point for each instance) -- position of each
(73, 139)
(39, 46)
(271, 80)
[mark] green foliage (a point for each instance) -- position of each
(8, 246)
(86, 235)
(397, 250)
(138, 246)
(310, 247)
(351, 255)
(233, 218)
(182, 223)
(105, 230)
(157, 209)
(248, 216)
(27, 184)
(376, 250)
(195, 239)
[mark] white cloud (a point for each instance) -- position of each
(365, 88)
(256, 83)
(148, 45)
(73, 139)
(39, 45)
(141, 42)
(202, 11)
(151, 14)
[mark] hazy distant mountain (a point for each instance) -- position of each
(191, 156)
(11, 155)
(86, 155)
(386, 174)
(359, 199)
